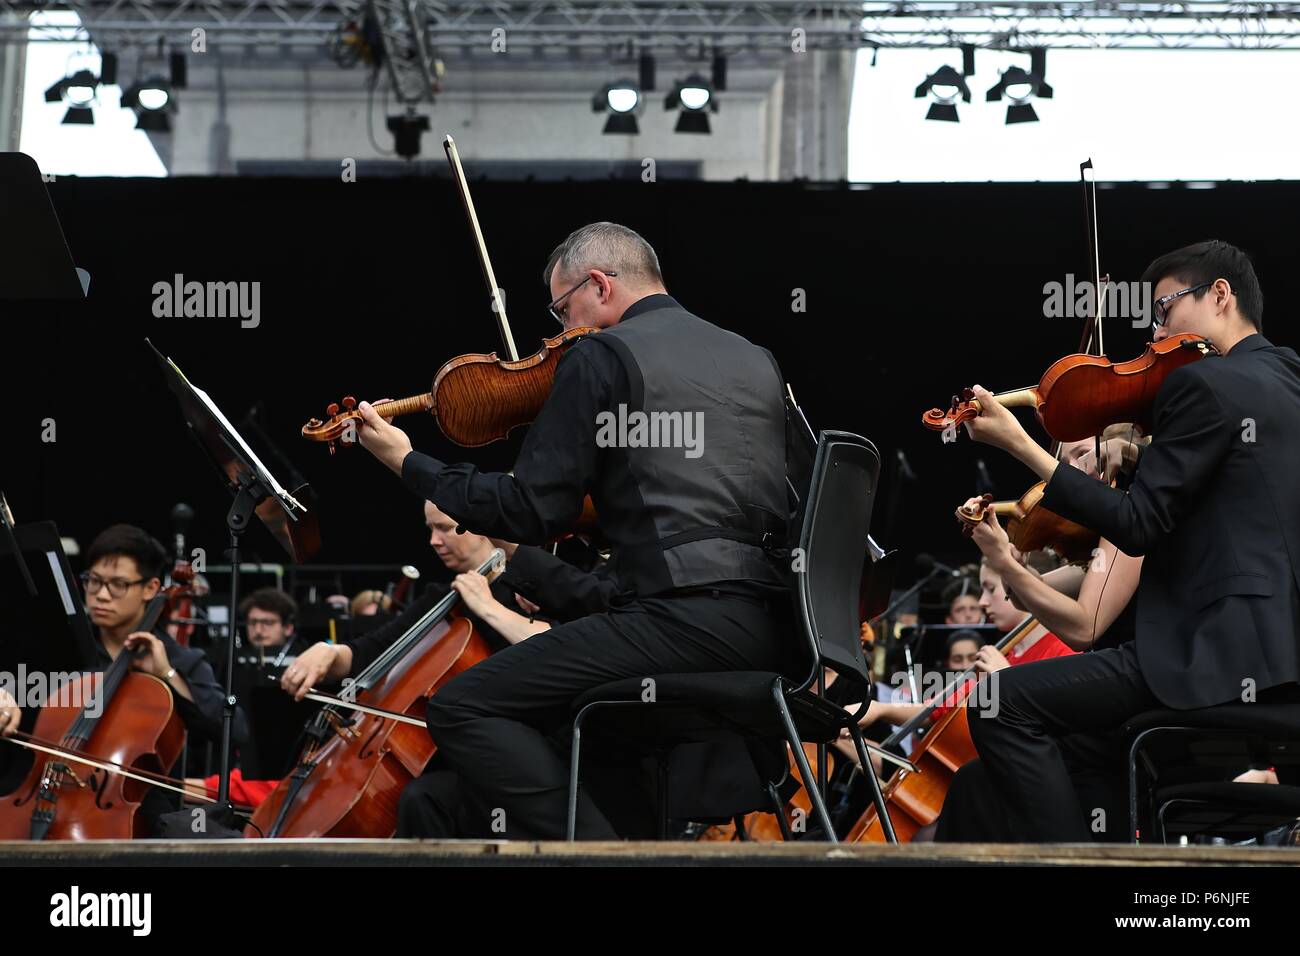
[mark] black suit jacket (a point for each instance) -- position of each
(1215, 509)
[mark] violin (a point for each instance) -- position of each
(1080, 395)
(369, 743)
(477, 398)
(86, 789)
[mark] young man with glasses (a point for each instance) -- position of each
(1214, 508)
(125, 572)
(125, 569)
(690, 529)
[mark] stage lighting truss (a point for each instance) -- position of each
(737, 28)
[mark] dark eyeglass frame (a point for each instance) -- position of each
(558, 299)
(1160, 308)
(117, 587)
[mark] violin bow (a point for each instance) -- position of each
(1093, 329)
(498, 300)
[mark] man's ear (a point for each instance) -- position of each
(288, 630)
(151, 588)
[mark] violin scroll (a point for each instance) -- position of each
(964, 407)
(342, 424)
(971, 514)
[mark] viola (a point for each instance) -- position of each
(1032, 527)
(1080, 395)
(127, 720)
(366, 746)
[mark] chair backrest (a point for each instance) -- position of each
(833, 547)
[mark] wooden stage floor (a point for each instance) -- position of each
(255, 853)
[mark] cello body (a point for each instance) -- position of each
(350, 785)
(138, 729)
(915, 799)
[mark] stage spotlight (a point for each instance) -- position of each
(407, 130)
(108, 69)
(78, 91)
(646, 69)
(694, 98)
(178, 67)
(946, 84)
(153, 102)
(1019, 87)
(620, 100)
(153, 95)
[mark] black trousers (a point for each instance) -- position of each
(437, 806)
(1048, 748)
(492, 723)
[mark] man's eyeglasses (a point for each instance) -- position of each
(117, 587)
(556, 313)
(1161, 308)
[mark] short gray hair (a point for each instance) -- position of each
(609, 247)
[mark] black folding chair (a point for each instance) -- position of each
(828, 566)
(1179, 759)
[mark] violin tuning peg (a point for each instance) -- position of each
(331, 446)
(349, 402)
(332, 409)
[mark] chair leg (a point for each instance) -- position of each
(575, 754)
(801, 759)
(1132, 789)
(877, 797)
(778, 808)
(661, 796)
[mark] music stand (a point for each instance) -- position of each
(255, 491)
(36, 263)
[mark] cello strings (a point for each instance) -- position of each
(139, 776)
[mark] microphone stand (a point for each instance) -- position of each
(902, 599)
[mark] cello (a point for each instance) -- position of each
(915, 799)
(367, 744)
(128, 722)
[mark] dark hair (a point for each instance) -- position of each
(1203, 262)
(958, 587)
(126, 540)
(956, 637)
(272, 600)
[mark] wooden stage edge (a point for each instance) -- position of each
(521, 853)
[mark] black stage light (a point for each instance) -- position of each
(620, 100)
(694, 98)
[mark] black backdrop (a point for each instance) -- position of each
(911, 292)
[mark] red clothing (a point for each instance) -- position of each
(1045, 648)
(248, 793)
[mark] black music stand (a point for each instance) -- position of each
(43, 623)
(255, 491)
(35, 263)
